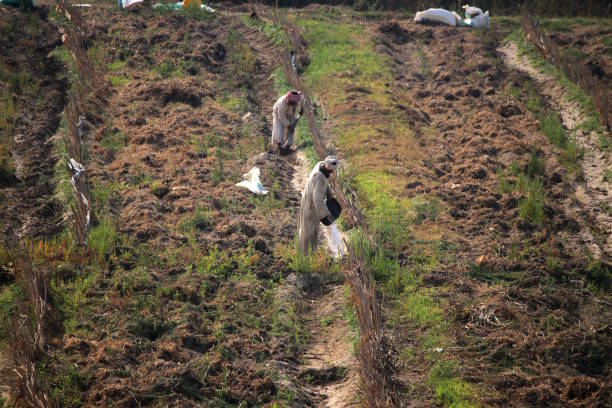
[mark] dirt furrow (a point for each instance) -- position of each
(594, 193)
(28, 207)
(327, 370)
(329, 362)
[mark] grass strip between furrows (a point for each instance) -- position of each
(550, 122)
(342, 62)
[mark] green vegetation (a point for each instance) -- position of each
(235, 103)
(14, 86)
(113, 139)
(527, 184)
(102, 240)
(553, 128)
(168, 69)
(8, 299)
(241, 58)
(346, 58)
(567, 24)
(272, 31)
(199, 220)
(551, 125)
(449, 391)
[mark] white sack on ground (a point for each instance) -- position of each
(458, 19)
(336, 246)
(436, 15)
(480, 21)
(471, 12)
(180, 6)
(252, 183)
(128, 3)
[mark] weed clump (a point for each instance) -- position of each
(528, 184)
(450, 390)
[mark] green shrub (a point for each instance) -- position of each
(102, 240)
(241, 57)
(113, 140)
(572, 154)
(66, 383)
(427, 210)
(118, 80)
(159, 189)
(600, 276)
(531, 207)
(552, 127)
(8, 299)
(195, 12)
(503, 186)
(535, 167)
(167, 69)
(200, 220)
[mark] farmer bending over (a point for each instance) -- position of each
(285, 116)
(313, 208)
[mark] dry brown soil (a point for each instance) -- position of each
(527, 332)
(28, 208)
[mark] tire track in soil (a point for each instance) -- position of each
(594, 193)
(329, 356)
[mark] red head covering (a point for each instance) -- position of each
(293, 97)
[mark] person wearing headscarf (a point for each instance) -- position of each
(284, 118)
(313, 208)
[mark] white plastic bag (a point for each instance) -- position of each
(180, 6)
(251, 182)
(128, 3)
(458, 19)
(480, 21)
(436, 15)
(471, 12)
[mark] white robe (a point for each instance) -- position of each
(283, 115)
(312, 209)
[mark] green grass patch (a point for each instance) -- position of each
(118, 80)
(528, 185)
(235, 103)
(168, 69)
(71, 298)
(346, 49)
(200, 219)
(8, 299)
(241, 58)
(102, 240)
(567, 24)
(272, 31)
(450, 390)
(113, 140)
(552, 127)
(14, 86)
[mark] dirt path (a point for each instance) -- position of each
(592, 195)
(329, 361)
(27, 204)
